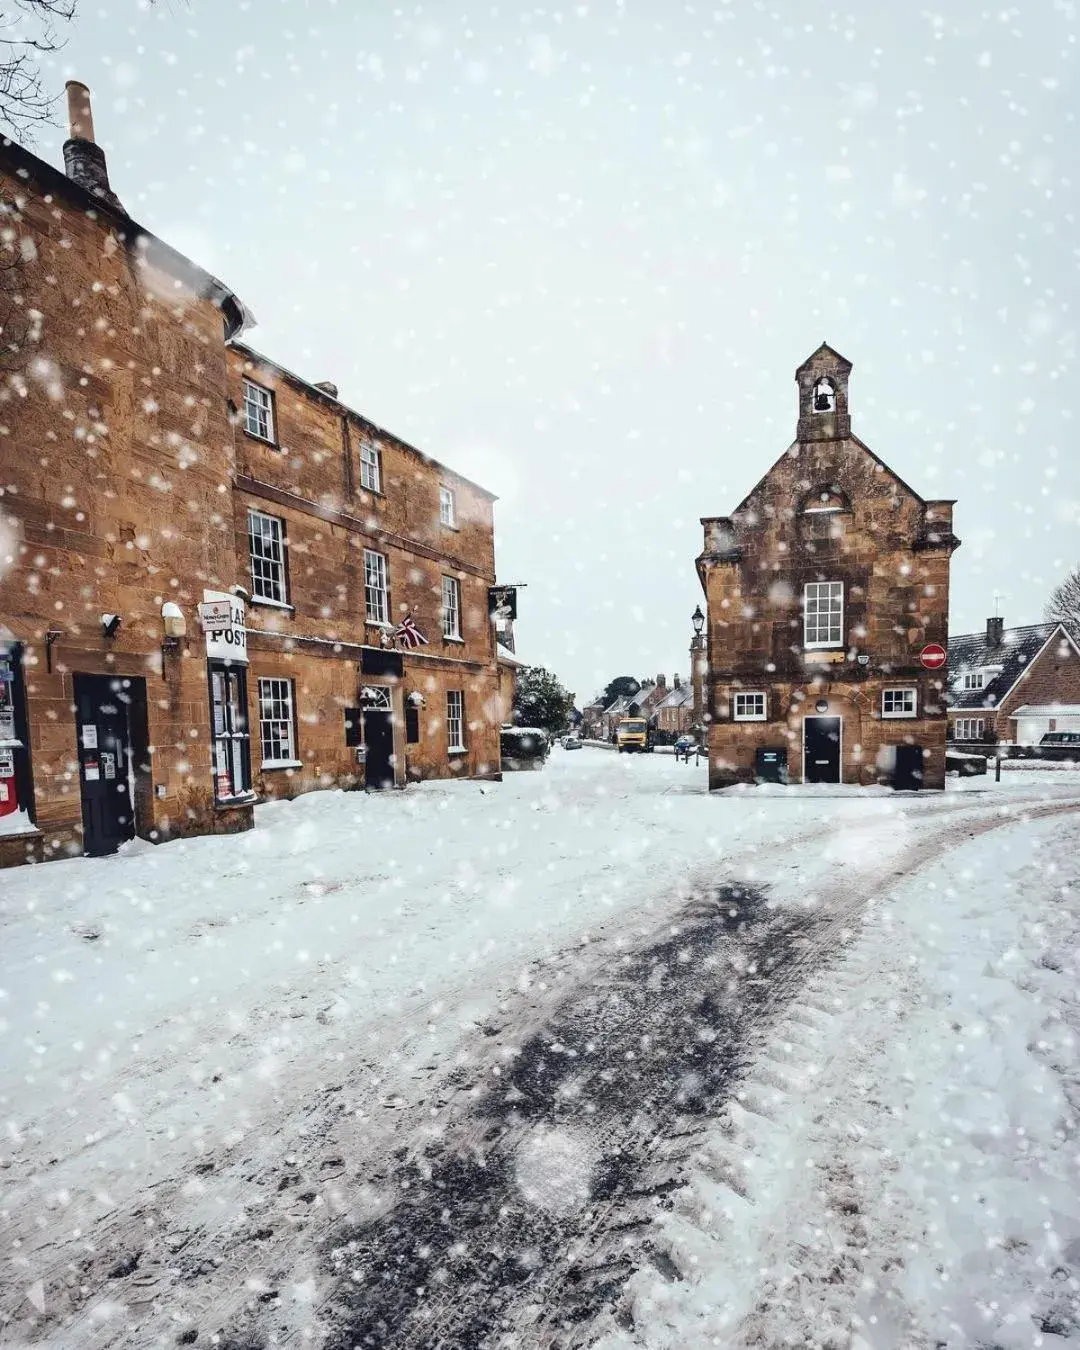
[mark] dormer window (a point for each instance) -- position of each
(974, 679)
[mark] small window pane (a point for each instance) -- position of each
(455, 719)
(446, 506)
(370, 476)
(258, 411)
(266, 543)
(750, 707)
(276, 720)
(451, 607)
(376, 595)
(898, 703)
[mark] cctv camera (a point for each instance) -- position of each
(109, 624)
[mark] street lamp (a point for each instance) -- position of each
(698, 620)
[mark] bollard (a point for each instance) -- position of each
(997, 769)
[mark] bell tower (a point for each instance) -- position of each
(823, 396)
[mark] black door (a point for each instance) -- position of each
(379, 739)
(908, 770)
(106, 769)
(821, 749)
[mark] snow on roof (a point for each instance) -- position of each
(1047, 710)
(971, 651)
(507, 657)
(679, 698)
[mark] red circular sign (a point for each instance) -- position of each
(933, 656)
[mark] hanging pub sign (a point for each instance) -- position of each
(222, 616)
(502, 605)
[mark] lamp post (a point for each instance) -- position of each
(697, 664)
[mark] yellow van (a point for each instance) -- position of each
(631, 734)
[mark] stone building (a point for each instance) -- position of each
(1013, 685)
(218, 583)
(828, 597)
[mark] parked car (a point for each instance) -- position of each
(571, 742)
(1061, 738)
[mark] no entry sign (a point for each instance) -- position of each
(933, 656)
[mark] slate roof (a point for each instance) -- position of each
(678, 698)
(971, 651)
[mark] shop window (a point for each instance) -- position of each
(232, 751)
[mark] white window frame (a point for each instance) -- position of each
(451, 608)
(447, 507)
(973, 679)
(455, 720)
(744, 713)
(376, 587)
(817, 591)
(370, 467)
(266, 559)
(979, 723)
(277, 722)
(258, 412)
(907, 694)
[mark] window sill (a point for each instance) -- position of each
(447, 637)
(362, 491)
(267, 603)
(457, 750)
(380, 624)
(280, 764)
(824, 646)
(749, 719)
(899, 717)
(448, 526)
(235, 803)
(254, 436)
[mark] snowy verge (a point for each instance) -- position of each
(900, 1169)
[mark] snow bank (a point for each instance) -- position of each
(900, 1169)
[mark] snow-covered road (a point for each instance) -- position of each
(246, 1078)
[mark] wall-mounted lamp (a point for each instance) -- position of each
(175, 625)
(698, 620)
(110, 624)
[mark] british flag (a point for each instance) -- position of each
(408, 634)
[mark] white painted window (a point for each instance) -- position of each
(455, 719)
(376, 588)
(823, 614)
(451, 607)
(974, 679)
(276, 723)
(370, 470)
(968, 728)
(749, 707)
(266, 543)
(898, 703)
(447, 512)
(232, 757)
(258, 411)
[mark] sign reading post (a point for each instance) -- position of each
(222, 616)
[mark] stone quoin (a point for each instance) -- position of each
(824, 587)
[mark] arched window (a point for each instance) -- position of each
(823, 515)
(824, 396)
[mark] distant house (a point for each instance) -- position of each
(1013, 685)
(509, 666)
(675, 713)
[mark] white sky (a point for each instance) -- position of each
(578, 252)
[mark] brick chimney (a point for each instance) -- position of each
(995, 631)
(678, 681)
(661, 680)
(84, 159)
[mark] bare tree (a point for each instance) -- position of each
(1064, 603)
(28, 31)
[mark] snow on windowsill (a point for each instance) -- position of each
(17, 823)
(457, 750)
(272, 604)
(282, 764)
